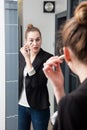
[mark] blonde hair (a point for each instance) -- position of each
(31, 28)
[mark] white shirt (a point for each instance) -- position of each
(23, 99)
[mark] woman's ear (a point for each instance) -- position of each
(67, 54)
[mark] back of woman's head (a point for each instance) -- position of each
(75, 32)
(31, 28)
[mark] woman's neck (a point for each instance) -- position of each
(32, 56)
(82, 72)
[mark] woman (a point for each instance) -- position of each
(33, 93)
(72, 108)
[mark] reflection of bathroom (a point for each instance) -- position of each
(31, 11)
(15, 15)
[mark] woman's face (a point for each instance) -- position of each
(34, 41)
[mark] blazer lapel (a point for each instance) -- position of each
(38, 60)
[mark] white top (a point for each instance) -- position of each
(53, 117)
(23, 99)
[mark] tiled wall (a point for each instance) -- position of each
(11, 65)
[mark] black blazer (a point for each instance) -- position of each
(36, 85)
(72, 110)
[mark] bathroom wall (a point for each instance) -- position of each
(11, 64)
(8, 65)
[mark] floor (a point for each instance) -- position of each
(50, 126)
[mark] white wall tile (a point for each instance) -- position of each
(2, 27)
(2, 123)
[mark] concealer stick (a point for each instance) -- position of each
(61, 58)
(29, 50)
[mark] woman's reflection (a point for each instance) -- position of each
(33, 92)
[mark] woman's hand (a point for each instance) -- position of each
(25, 51)
(54, 73)
(53, 70)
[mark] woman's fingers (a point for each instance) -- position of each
(52, 63)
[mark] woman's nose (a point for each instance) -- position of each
(34, 42)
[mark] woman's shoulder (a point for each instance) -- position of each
(46, 53)
(76, 99)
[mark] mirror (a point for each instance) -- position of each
(31, 12)
(34, 13)
(16, 15)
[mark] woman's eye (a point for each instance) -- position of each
(37, 40)
(31, 41)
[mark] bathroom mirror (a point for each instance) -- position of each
(31, 12)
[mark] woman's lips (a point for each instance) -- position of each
(35, 48)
